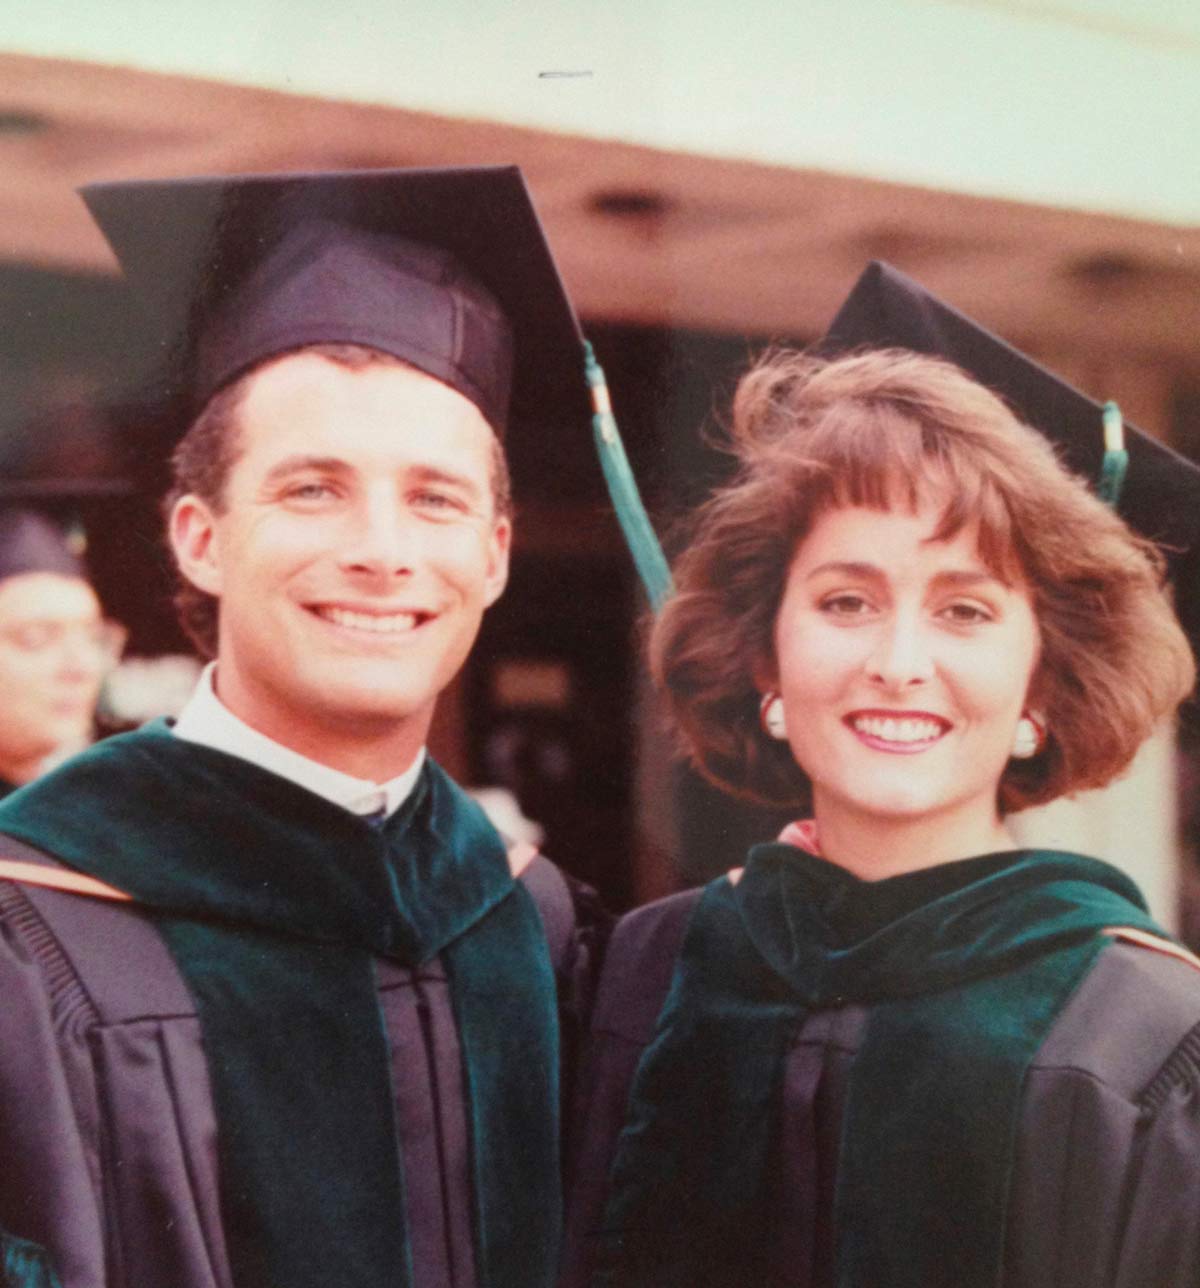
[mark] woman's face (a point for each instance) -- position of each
(52, 660)
(904, 665)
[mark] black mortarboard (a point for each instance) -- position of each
(1160, 496)
(31, 542)
(447, 269)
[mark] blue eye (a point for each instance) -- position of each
(438, 502)
(309, 492)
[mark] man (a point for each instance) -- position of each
(55, 646)
(320, 1046)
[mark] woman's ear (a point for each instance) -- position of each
(1039, 689)
(765, 675)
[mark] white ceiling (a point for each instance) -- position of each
(1084, 104)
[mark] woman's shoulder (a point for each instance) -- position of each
(656, 927)
(639, 965)
(1133, 1023)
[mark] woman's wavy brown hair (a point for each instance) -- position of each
(887, 426)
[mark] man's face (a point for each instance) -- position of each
(356, 551)
(54, 651)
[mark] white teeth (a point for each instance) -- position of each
(898, 728)
(391, 624)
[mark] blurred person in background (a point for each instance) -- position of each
(55, 647)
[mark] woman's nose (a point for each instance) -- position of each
(902, 657)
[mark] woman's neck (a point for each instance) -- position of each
(873, 847)
(20, 770)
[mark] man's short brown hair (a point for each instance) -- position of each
(204, 457)
(810, 434)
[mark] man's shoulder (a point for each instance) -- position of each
(109, 949)
(574, 918)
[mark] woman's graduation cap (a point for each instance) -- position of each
(1160, 494)
(447, 269)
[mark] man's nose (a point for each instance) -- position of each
(383, 538)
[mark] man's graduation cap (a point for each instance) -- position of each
(447, 269)
(31, 542)
(1160, 496)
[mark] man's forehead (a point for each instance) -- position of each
(307, 413)
(321, 393)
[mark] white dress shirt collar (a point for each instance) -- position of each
(207, 721)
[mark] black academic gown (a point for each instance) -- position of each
(107, 1131)
(1105, 1191)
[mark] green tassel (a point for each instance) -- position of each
(1116, 458)
(643, 544)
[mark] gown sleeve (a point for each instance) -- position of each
(578, 927)
(47, 1198)
(637, 973)
(1106, 1182)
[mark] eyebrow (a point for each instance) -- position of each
(296, 464)
(846, 569)
(335, 465)
(432, 474)
(870, 572)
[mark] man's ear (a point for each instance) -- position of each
(499, 549)
(193, 534)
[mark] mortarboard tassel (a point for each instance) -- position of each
(1116, 458)
(76, 539)
(647, 554)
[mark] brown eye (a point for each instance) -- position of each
(845, 605)
(965, 613)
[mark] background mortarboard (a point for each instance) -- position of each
(187, 247)
(31, 542)
(1161, 493)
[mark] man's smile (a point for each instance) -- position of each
(372, 621)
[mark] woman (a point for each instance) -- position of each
(55, 647)
(897, 1050)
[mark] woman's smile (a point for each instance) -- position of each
(899, 732)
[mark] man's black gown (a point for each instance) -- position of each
(107, 1128)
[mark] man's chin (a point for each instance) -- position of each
(366, 710)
